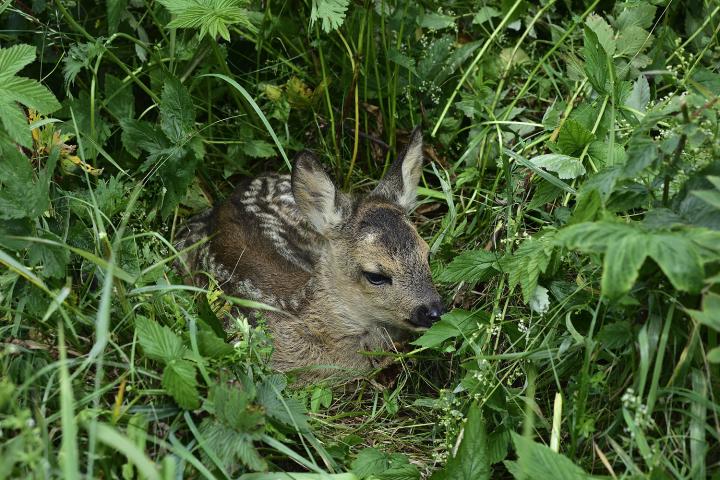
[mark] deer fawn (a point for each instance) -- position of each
(352, 272)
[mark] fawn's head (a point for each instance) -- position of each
(376, 263)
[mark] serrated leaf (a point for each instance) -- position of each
(471, 266)
(177, 112)
(211, 346)
(456, 324)
(596, 62)
(538, 461)
(119, 98)
(230, 445)
(321, 396)
(472, 459)
(640, 14)
(288, 411)
(21, 194)
(540, 302)
(158, 341)
(604, 32)
(370, 461)
(640, 94)
(29, 93)
(485, 14)
(115, 10)
(15, 58)
(573, 137)
(615, 335)
(678, 258)
(564, 165)
(437, 21)
(211, 17)
(180, 382)
(622, 263)
(15, 123)
(633, 40)
(258, 149)
(526, 264)
(330, 12)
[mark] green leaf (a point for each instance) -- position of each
(457, 323)
(288, 411)
(471, 266)
(564, 165)
(140, 136)
(437, 21)
(330, 12)
(212, 17)
(604, 32)
(640, 95)
(51, 259)
(526, 264)
(177, 112)
(229, 444)
(622, 263)
(573, 137)
(484, 14)
(258, 149)
(536, 461)
(210, 345)
(472, 459)
(713, 356)
(321, 396)
(596, 62)
(638, 14)
(78, 57)
(158, 341)
(710, 313)
(180, 381)
(21, 195)
(678, 258)
(119, 98)
(370, 461)
(615, 335)
(15, 123)
(115, 11)
(15, 58)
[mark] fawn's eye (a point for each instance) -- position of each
(377, 278)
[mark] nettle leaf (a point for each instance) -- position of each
(573, 137)
(456, 324)
(258, 149)
(596, 62)
(21, 194)
(119, 98)
(471, 266)
(373, 463)
(678, 258)
(177, 112)
(472, 459)
(621, 265)
(538, 461)
(640, 95)
(604, 32)
(212, 17)
(115, 11)
(564, 165)
(526, 264)
(640, 14)
(158, 341)
(330, 12)
(288, 411)
(633, 40)
(230, 445)
(179, 379)
(626, 246)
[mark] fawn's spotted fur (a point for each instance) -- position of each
(352, 272)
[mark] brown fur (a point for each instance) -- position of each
(301, 245)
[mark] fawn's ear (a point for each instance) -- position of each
(401, 181)
(315, 194)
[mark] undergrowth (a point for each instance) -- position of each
(570, 198)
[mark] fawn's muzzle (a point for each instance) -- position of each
(426, 315)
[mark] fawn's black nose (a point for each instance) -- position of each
(426, 315)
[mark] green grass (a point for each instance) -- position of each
(570, 198)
